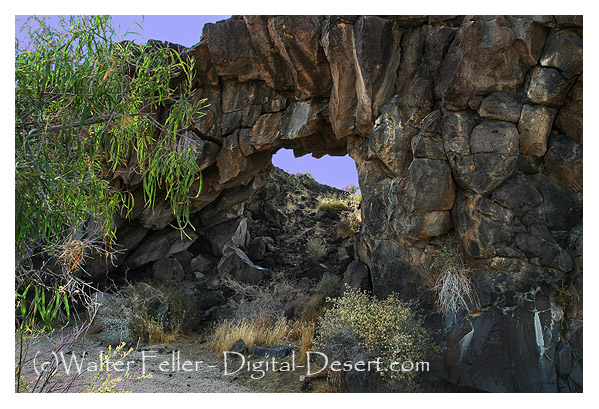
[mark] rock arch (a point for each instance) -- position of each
(472, 124)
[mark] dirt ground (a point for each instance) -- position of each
(184, 366)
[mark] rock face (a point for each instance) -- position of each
(458, 125)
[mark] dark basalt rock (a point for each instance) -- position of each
(271, 352)
(470, 123)
(239, 346)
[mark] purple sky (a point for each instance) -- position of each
(338, 171)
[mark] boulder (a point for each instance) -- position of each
(490, 352)
(355, 276)
(160, 245)
(236, 264)
(239, 346)
(564, 52)
(232, 233)
(271, 352)
(202, 264)
(167, 269)
(548, 86)
(534, 127)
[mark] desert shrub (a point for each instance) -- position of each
(359, 325)
(349, 223)
(261, 315)
(328, 284)
(317, 248)
(564, 297)
(271, 299)
(333, 207)
(85, 104)
(160, 313)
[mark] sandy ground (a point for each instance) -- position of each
(178, 367)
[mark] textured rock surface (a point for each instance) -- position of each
(470, 123)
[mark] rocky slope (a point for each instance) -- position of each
(465, 125)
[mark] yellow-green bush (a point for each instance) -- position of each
(333, 207)
(328, 284)
(316, 248)
(389, 329)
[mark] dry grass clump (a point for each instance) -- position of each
(453, 286)
(306, 339)
(454, 291)
(261, 315)
(316, 248)
(262, 331)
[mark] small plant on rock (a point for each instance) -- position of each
(453, 287)
(316, 248)
(333, 207)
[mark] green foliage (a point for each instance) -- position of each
(448, 256)
(328, 284)
(333, 207)
(29, 312)
(352, 189)
(388, 329)
(564, 297)
(85, 108)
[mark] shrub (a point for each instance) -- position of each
(37, 346)
(261, 315)
(160, 313)
(360, 325)
(333, 207)
(349, 224)
(316, 248)
(328, 284)
(454, 291)
(271, 299)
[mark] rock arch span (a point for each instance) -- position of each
(465, 124)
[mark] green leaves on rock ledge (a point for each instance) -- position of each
(90, 114)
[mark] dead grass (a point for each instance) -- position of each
(261, 314)
(306, 340)
(270, 300)
(253, 332)
(454, 291)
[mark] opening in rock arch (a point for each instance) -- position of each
(335, 171)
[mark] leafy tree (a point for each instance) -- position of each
(87, 106)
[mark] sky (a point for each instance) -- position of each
(186, 30)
